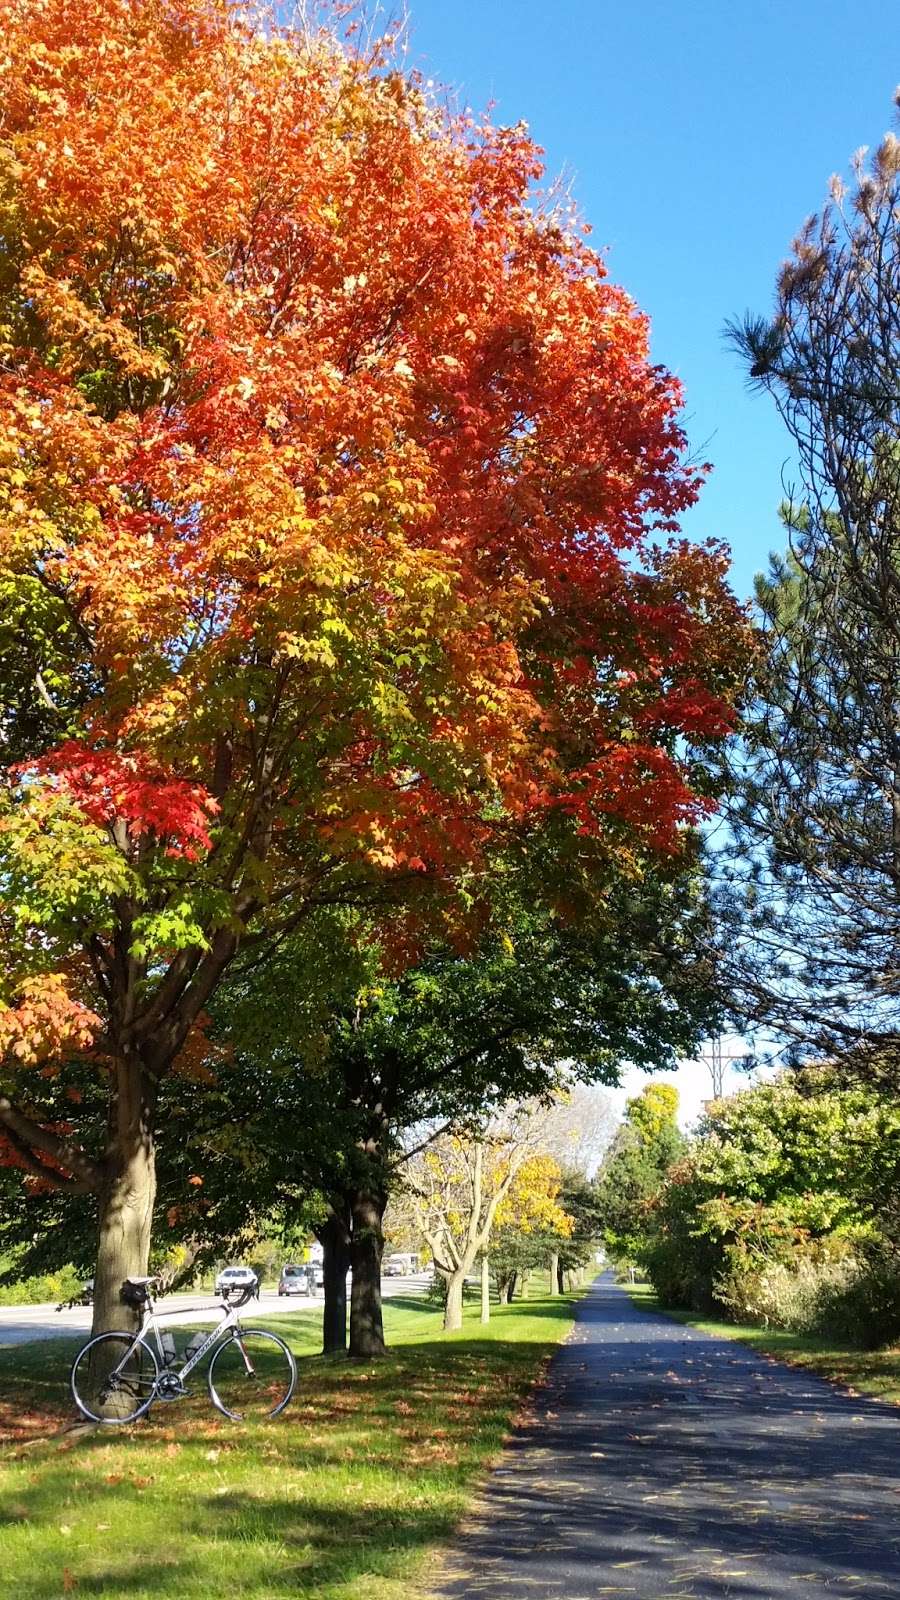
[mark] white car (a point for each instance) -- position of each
(237, 1278)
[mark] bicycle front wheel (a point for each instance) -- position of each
(252, 1375)
(114, 1378)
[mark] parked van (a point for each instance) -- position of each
(400, 1265)
(294, 1279)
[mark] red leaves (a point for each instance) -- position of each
(111, 786)
(641, 786)
(340, 477)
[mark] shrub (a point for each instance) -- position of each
(784, 1294)
(50, 1286)
(864, 1308)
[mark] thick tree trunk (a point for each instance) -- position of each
(506, 1287)
(366, 1246)
(554, 1273)
(334, 1237)
(123, 1245)
(485, 1289)
(560, 1277)
(453, 1311)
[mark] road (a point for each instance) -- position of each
(19, 1324)
(663, 1464)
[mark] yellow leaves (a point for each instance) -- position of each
(531, 1201)
(45, 1020)
(312, 651)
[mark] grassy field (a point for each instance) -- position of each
(345, 1495)
(875, 1372)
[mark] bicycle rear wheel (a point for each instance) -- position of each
(252, 1375)
(114, 1378)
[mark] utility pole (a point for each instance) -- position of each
(716, 1067)
(715, 1061)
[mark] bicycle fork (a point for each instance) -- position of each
(251, 1371)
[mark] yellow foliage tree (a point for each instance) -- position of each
(465, 1183)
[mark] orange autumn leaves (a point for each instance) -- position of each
(332, 451)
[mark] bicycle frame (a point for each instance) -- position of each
(151, 1323)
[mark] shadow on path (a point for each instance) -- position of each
(665, 1464)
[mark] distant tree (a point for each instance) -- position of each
(811, 914)
(579, 1199)
(648, 1143)
(584, 1120)
(466, 1183)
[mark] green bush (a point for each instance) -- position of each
(788, 1294)
(864, 1308)
(55, 1286)
(782, 1210)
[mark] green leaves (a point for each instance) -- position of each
(783, 1176)
(60, 874)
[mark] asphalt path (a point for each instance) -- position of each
(663, 1464)
(20, 1324)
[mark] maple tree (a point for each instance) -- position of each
(328, 458)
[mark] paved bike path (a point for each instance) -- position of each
(664, 1464)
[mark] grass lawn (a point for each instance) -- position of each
(875, 1372)
(343, 1496)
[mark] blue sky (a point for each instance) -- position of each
(698, 137)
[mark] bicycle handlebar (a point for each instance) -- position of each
(239, 1296)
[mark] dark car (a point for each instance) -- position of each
(294, 1280)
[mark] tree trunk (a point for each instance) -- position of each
(560, 1277)
(123, 1243)
(506, 1287)
(485, 1289)
(554, 1273)
(366, 1246)
(334, 1237)
(126, 1199)
(453, 1311)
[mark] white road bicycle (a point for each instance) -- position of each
(117, 1377)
